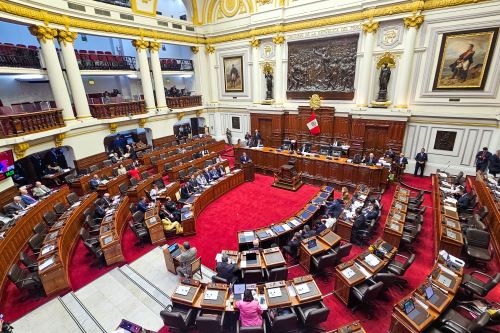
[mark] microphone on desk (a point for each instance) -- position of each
(449, 162)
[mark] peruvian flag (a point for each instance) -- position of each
(313, 125)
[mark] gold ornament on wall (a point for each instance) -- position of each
(66, 36)
(414, 21)
(20, 149)
(113, 127)
(280, 39)
(370, 27)
(180, 115)
(255, 42)
(195, 49)
(210, 49)
(267, 68)
(387, 58)
(140, 44)
(58, 139)
(154, 46)
(42, 33)
(142, 122)
(264, 2)
(315, 102)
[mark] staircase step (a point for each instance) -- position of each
(80, 314)
(149, 288)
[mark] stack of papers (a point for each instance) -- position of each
(274, 292)
(211, 294)
(182, 290)
(372, 260)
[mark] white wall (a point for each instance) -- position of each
(14, 91)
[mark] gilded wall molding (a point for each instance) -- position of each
(20, 149)
(140, 44)
(414, 21)
(370, 27)
(255, 43)
(43, 33)
(66, 36)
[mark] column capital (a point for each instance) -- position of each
(154, 46)
(210, 49)
(66, 36)
(140, 44)
(370, 27)
(279, 39)
(414, 21)
(42, 33)
(20, 149)
(59, 139)
(255, 43)
(195, 49)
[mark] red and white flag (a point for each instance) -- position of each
(313, 125)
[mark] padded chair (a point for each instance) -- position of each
(313, 314)
(72, 198)
(388, 279)
(85, 236)
(144, 175)
(123, 188)
(277, 274)
(69, 179)
(25, 280)
(283, 323)
(414, 200)
(210, 321)
(98, 254)
(399, 268)
(160, 184)
(452, 321)
(365, 293)
(138, 217)
(40, 228)
(140, 232)
(133, 181)
(50, 217)
(92, 226)
(409, 236)
(107, 163)
(324, 261)
(218, 279)
(182, 175)
(178, 318)
(343, 251)
(167, 167)
(479, 287)
(250, 329)
(477, 243)
(28, 261)
(60, 208)
(252, 275)
(93, 168)
(196, 267)
(35, 243)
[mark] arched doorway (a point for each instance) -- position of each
(187, 128)
(139, 138)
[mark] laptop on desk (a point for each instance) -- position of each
(311, 244)
(174, 250)
(251, 258)
(410, 310)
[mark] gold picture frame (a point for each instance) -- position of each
(464, 59)
(233, 74)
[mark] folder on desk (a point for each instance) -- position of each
(182, 290)
(302, 288)
(274, 292)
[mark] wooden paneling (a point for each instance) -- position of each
(86, 162)
(7, 196)
(163, 140)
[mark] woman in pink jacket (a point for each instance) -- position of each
(250, 310)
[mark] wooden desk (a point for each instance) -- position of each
(191, 296)
(199, 163)
(273, 257)
(318, 170)
(402, 323)
(343, 228)
(112, 186)
(154, 225)
(135, 193)
(393, 231)
(354, 327)
(272, 299)
(111, 231)
(222, 291)
(55, 277)
(329, 237)
(17, 236)
(306, 253)
(249, 170)
(302, 296)
(243, 264)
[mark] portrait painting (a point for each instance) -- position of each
(233, 74)
(445, 140)
(464, 59)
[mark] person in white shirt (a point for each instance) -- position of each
(40, 190)
(201, 180)
(121, 170)
(153, 194)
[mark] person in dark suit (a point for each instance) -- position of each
(305, 148)
(226, 270)
(320, 226)
(207, 176)
(390, 154)
(142, 205)
(371, 211)
(336, 208)
(130, 152)
(192, 184)
(400, 163)
(185, 193)
(244, 158)
(463, 201)
(359, 223)
(357, 159)
(370, 159)
(307, 232)
(258, 138)
(221, 171)
(421, 159)
(482, 159)
(15, 207)
(26, 198)
(94, 182)
(494, 166)
(171, 207)
(292, 247)
(106, 200)
(214, 174)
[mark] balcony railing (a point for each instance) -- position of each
(183, 102)
(19, 56)
(115, 110)
(90, 61)
(170, 64)
(26, 123)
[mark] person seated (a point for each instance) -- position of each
(319, 227)
(463, 201)
(40, 190)
(54, 168)
(370, 159)
(250, 310)
(214, 174)
(221, 171)
(95, 182)
(336, 208)
(168, 225)
(207, 175)
(226, 270)
(244, 159)
(185, 192)
(193, 184)
(171, 208)
(329, 221)
(185, 259)
(201, 181)
(390, 154)
(255, 245)
(15, 207)
(26, 198)
(113, 157)
(219, 159)
(121, 170)
(356, 159)
(359, 223)
(153, 193)
(134, 173)
(106, 200)
(305, 148)
(345, 195)
(307, 232)
(292, 247)
(143, 205)
(371, 211)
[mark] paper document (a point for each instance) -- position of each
(444, 281)
(372, 260)
(47, 249)
(211, 294)
(248, 234)
(348, 273)
(363, 271)
(274, 292)
(286, 227)
(218, 257)
(291, 291)
(451, 234)
(243, 264)
(182, 290)
(46, 263)
(302, 288)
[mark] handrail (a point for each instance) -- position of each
(174, 64)
(25, 123)
(115, 110)
(183, 102)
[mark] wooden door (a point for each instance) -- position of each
(265, 128)
(375, 140)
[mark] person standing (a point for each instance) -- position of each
(229, 136)
(258, 138)
(250, 310)
(421, 159)
(482, 159)
(494, 166)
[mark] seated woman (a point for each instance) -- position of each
(169, 225)
(345, 195)
(250, 310)
(121, 170)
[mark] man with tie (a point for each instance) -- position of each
(421, 159)
(258, 138)
(370, 160)
(207, 176)
(401, 161)
(244, 158)
(15, 207)
(142, 205)
(202, 182)
(40, 190)
(106, 200)
(214, 174)
(226, 269)
(221, 171)
(94, 182)
(482, 159)
(390, 154)
(26, 198)
(463, 201)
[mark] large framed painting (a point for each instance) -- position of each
(326, 67)
(464, 59)
(233, 74)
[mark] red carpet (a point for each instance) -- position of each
(250, 206)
